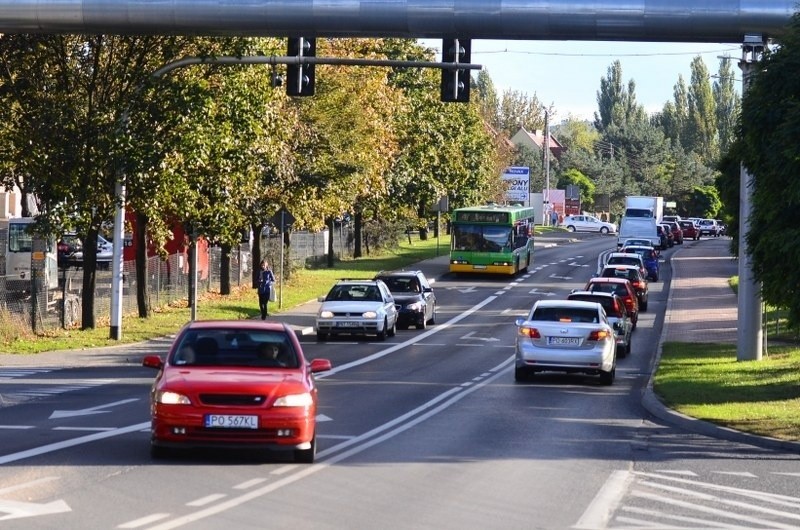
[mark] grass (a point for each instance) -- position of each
(707, 382)
(304, 285)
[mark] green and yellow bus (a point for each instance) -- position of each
(491, 239)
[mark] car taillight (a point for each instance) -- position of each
(638, 285)
(531, 333)
(629, 302)
(599, 334)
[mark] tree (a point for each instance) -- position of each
(487, 100)
(727, 103)
(769, 123)
(616, 103)
(701, 131)
(517, 109)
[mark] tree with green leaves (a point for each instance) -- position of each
(701, 132)
(768, 142)
(727, 104)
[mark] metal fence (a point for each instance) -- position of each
(168, 281)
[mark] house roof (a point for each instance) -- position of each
(537, 138)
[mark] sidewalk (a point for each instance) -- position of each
(702, 307)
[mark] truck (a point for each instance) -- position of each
(642, 215)
(643, 206)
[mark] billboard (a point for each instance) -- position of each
(517, 179)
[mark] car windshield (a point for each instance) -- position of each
(605, 301)
(613, 272)
(565, 314)
(626, 260)
(354, 293)
(614, 288)
(401, 284)
(227, 347)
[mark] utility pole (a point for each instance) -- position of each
(749, 344)
(548, 207)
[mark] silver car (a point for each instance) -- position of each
(566, 336)
(357, 307)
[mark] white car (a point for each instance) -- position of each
(588, 223)
(566, 336)
(357, 307)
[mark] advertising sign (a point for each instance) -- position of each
(518, 180)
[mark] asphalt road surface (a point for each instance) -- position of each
(425, 430)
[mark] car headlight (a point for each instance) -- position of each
(416, 306)
(165, 397)
(369, 314)
(294, 400)
(326, 314)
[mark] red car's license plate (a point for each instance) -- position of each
(231, 421)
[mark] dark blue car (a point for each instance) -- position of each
(649, 257)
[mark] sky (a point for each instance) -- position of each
(567, 74)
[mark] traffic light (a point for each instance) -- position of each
(455, 83)
(300, 77)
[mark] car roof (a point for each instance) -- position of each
(601, 279)
(566, 303)
(398, 273)
(623, 255)
(600, 294)
(243, 324)
(621, 266)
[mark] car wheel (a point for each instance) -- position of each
(628, 346)
(432, 321)
(306, 456)
(322, 336)
(422, 324)
(607, 378)
(382, 333)
(604, 230)
(393, 330)
(570, 228)
(522, 374)
(643, 305)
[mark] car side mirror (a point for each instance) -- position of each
(321, 299)
(519, 321)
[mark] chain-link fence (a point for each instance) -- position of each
(39, 308)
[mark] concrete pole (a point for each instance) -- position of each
(115, 330)
(749, 345)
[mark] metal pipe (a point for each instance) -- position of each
(594, 20)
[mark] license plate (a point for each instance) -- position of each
(564, 341)
(348, 324)
(231, 421)
(479, 267)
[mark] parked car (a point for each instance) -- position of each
(689, 230)
(566, 336)
(722, 228)
(649, 256)
(617, 315)
(677, 233)
(357, 307)
(413, 297)
(671, 218)
(708, 227)
(632, 274)
(626, 258)
(587, 223)
(621, 287)
(235, 383)
(70, 251)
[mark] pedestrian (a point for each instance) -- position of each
(553, 218)
(266, 281)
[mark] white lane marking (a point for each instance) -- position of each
(49, 448)
(602, 507)
(16, 426)
(208, 499)
(145, 520)
(249, 484)
(29, 484)
(89, 429)
(98, 409)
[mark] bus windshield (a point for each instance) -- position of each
(482, 238)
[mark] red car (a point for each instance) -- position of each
(621, 287)
(690, 230)
(239, 383)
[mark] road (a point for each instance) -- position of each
(425, 430)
